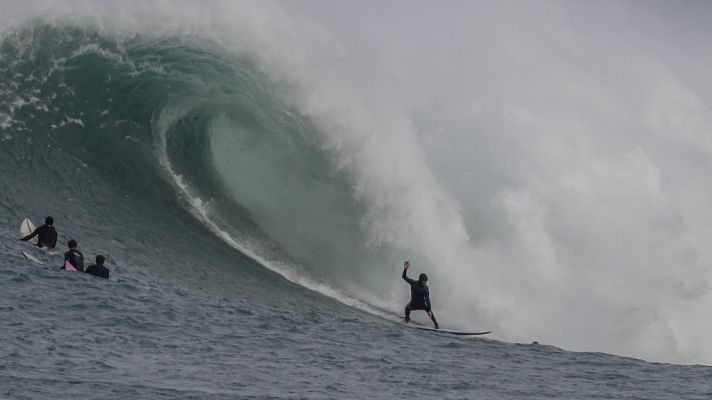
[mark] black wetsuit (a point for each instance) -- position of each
(76, 258)
(419, 295)
(419, 298)
(46, 236)
(98, 270)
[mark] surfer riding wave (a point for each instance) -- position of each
(419, 295)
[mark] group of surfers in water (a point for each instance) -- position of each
(73, 258)
(47, 237)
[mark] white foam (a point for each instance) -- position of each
(76, 121)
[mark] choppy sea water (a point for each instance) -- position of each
(70, 335)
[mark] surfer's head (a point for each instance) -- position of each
(72, 244)
(422, 278)
(100, 259)
(49, 221)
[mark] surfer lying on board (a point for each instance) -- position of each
(46, 234)
(419, 295)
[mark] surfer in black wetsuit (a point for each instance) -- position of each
(98, 269)
(46, 234)
(419, 295)
(74, 256)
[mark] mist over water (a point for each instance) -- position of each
(546, 164)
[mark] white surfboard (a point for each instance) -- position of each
(30, 257)
(27, 227)
(450, 331)
(416, 325)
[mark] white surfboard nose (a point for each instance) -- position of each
(27, 227)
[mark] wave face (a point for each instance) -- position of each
(547, 179)
(163, 117)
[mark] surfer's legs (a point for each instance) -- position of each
(407, 312)
(435, 322)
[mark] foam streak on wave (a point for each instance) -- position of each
(201, 211)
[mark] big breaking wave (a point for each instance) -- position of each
(562, 219)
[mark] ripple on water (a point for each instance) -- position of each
(20, 278)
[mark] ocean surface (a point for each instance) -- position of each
(240, 265)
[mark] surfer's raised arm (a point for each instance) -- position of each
(406, 265)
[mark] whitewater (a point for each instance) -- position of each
(257, 173)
